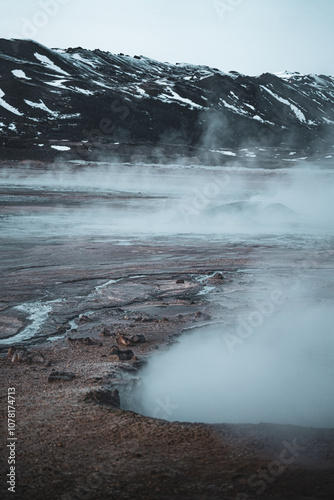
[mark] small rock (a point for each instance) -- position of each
(117, 355)
(104, 396)
(105, 333)
(60, 376)
(85, 341)
(179, 281)
(61, 329)
(20, 357)
(11, 352)
(37, 357)
(122, 339)
(137, 339)
(83, 319)
(217, 276)
(126, 355)
(114, 349)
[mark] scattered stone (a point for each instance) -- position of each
(106, 333)
(24, 356)
(85, 341)
(134, 339)
(11, 352)
(203, 316)
(83, 319)
(126, 355)
(37, 357)
(137, 339)
(217, 276)
(104, 396)
(20, 357)
(60, 376)
(179, 282)
(122, 339)
(114, 349)
(147, 320)
(117, 355)
(61, 329)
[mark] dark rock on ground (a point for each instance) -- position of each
(104, 396)
(217, 276)
(123, 339)
(133, 339)
(84, 341)
(56, 376)
(137, 339)
(84, 319)
(116, 354)
(22, 355)
(106, 332)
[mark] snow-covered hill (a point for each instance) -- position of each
(91, 97)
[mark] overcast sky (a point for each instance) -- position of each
(249, 36)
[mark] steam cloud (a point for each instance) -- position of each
(282, 374)
(284, 371)
(170, 199)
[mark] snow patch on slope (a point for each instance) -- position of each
(171, 96)
(49, 64)
(7, 106)
(20, 74)
(298, 113)
(40, 105)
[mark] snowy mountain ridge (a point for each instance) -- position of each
(82, 95)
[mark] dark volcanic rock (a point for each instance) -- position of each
(217, 276)
(106, 332)
(85, 341)
(60, 376)
(104, 396)
(138, 339)
(76, 95)
(123, 339)
(133, 339)
(22, 355)
(117, 355)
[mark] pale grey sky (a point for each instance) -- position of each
(249, 36)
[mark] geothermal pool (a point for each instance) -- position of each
(267, 356)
